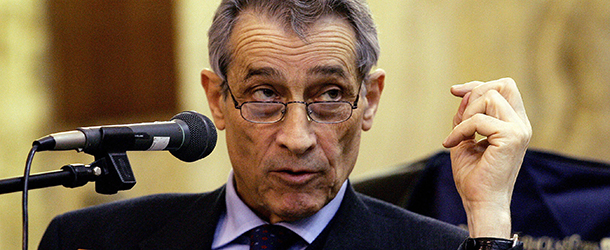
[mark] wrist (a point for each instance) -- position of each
(488, 220)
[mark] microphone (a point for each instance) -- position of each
(189, 136)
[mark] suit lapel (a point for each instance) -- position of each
(193, 228)
(349, 229)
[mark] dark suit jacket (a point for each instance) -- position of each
(188, 221)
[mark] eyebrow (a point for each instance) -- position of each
(328, 71)
(264, 71)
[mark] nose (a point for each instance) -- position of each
(296, 132)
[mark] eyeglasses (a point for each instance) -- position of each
(327, 112)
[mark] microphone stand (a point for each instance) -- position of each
(110, 171)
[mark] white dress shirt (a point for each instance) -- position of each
(239, 218)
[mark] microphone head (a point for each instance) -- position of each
(202, 137)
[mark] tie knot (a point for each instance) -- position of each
(271, 237)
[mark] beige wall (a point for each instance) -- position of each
(22, 103)
(427, 46)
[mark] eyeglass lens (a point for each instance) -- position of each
(324, 112)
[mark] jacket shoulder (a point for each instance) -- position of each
(400, 217)
(363, 222)
(122, 223)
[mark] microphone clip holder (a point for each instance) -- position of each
(116, 173)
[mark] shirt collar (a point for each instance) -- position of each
(239, 218)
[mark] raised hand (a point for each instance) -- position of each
(485, 170)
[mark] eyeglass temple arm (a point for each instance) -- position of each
(237, 106)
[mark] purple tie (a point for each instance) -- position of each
(271, 237)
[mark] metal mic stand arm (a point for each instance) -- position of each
(74, 175)
(110, 171)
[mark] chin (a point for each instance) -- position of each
(296, 214)
(300, 206)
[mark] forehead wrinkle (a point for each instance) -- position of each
(260, 42)
(266, 33)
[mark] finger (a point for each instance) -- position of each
(457, 118)
(460, 90)
(493, 104)
(466, 130)
(507, 88)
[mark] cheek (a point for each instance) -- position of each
(245, 142)
(341, 148)
(245, 146)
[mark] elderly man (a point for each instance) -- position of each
(293, 89)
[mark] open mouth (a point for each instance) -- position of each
(295, 177)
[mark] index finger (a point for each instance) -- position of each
(505, 86)
(460, 90)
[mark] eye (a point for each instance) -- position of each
(264, 94)
(331, 95)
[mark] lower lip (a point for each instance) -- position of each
(295, 179)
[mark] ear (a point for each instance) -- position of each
(212, 84)
(374, 86)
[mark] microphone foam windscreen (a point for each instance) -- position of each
(202, 136)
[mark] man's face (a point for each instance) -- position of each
(290, 169)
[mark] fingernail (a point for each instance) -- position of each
(457, 85)
(445, 142)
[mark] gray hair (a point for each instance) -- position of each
(297, 15)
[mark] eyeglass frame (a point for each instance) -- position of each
(238, 106)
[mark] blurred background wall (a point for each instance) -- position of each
(65, 64)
